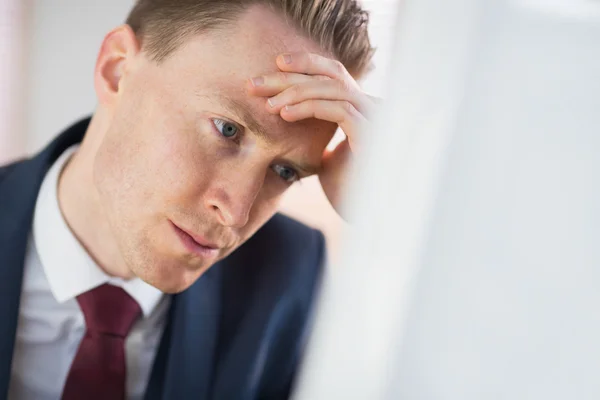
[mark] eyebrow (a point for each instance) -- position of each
(243, 112)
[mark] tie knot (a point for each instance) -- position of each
(109, 310)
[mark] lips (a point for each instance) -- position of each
(196, 244)
(200, 240)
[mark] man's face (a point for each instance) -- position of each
(191, 165)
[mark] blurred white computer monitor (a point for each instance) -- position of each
(472, 270)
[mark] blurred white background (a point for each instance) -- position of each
(472, 269)
(48, 50)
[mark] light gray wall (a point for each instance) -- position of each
(12, 29)
(65, 38)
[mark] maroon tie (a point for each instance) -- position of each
(98, 370)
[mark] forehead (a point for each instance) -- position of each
(255, 39)
(221, 62)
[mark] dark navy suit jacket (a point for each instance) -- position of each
(236, 333)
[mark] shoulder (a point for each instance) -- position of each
(268, 291)
(285, 256)
(287, 245)
(6, 169)
(283, 237)
(17, 187)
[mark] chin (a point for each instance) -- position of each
(171, 278)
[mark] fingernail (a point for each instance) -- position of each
(287, 58)
(258, 81)
(272, 101)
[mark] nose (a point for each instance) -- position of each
(231, 198)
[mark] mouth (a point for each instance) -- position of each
(196, 244)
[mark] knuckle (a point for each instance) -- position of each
(282, 77)
(344, 86)
(348, 107)
(296, 91)
(339, 68)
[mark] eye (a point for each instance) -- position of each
(286, 173)
(227, 129)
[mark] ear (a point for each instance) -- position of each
(119, 48)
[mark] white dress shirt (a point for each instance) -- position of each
(51, 324)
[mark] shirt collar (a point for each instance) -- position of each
(70, 270)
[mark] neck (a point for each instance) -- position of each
(81, 207)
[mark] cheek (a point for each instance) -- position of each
(183, 166)
(152, 166)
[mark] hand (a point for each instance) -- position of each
(313, 86)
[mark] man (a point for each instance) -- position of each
(208, 110)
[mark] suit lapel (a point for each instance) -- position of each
(18, 192)
(185, 360)
(19, 187)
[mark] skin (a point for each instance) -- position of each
(171, 147)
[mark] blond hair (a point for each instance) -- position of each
(339, 27)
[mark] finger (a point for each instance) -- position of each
(340, 112)
(271, 84)
(323, 90)
(313, 64)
